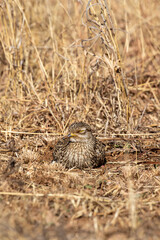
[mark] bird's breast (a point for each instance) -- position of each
(79, 154)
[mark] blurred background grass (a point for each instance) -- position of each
(60, 64)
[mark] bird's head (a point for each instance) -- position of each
(80, 132)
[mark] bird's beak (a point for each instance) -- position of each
(70, 135)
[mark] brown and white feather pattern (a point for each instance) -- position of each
(80, 153)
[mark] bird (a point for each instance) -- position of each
(80, 148)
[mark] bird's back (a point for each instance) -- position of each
(60, 149)
(100, 153)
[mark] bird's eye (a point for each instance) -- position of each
(82, 131)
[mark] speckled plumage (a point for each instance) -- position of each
(80, 148)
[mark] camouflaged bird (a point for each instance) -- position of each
(79, 149)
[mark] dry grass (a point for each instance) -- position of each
(65, 61)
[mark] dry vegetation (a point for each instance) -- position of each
(65, 61)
